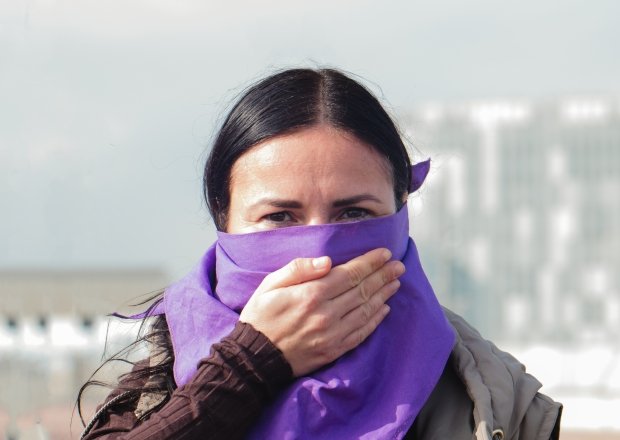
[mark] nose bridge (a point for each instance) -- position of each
(317, 206)
(317, 221)
(318, 215)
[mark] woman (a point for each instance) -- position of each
(282, 331)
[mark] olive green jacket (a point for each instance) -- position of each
(487, 392)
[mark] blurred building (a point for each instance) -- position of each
(53, 328)
(521, 215)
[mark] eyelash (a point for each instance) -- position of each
(364, 213)
(269, 218)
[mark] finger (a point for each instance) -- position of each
(297, 271)
(350, 274)
(369, 287)
(359, 316)
(356, 337)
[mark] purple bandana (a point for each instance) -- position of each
(372, 392)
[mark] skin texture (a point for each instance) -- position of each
(313, 312)
(302, 176)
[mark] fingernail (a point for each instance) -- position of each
(386, 309)
(399, 269)
(387, 254)
(320, 263)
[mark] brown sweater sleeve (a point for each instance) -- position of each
(230, 389)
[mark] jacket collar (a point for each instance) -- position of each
(501, 390)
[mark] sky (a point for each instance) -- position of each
(107, 108)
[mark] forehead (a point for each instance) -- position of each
(319, 153)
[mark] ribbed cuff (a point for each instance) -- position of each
(267, 360)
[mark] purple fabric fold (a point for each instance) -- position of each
(418, 173)
(372, 392)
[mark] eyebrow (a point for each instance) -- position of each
(355, 199)
(294, 204)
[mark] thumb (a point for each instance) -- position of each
(297, 271)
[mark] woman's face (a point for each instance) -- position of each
(314, 176)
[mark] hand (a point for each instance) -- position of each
(315, 313)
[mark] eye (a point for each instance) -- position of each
(278, 217)
(352, 214)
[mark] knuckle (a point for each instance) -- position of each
(364, 291)
(310, 302)
(386, 276)
(356, 274)
(377, 300)
(318, 345)
(325, 350)
(296, 265)
(322, 321)
(367, 311)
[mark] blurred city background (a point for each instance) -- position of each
(107, 111)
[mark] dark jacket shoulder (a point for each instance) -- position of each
(487, 392)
